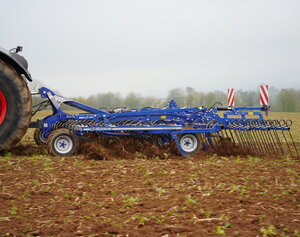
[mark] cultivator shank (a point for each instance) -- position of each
(223, 130)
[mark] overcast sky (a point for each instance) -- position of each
(149, 47)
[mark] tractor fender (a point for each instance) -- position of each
(16, 61)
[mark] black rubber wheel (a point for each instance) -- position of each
(39, 138)
(162, 140)
(15, 107)
(62, 142)
(189, 143)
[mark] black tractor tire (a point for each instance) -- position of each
(17, 99)
(162, 140)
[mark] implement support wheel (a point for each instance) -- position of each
(62, 142)
(39, 137)
(189, 143)
(162, 140)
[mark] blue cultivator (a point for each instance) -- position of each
(223, 130)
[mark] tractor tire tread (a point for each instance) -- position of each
(24, 107)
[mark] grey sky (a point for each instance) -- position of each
(149, 47)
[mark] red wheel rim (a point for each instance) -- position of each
(3, 107)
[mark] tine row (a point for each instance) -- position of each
(256, 137)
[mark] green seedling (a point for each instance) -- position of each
(160, 190)
(36, 182)
(14, 210)
(190, 200)
(220, 230)
(149, 181)
(269, 231)
(141, 220)
(291, 172)
(207, 213)
(114, 193)
(131, 201)
(149, 173)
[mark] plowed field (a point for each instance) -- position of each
(147, 192)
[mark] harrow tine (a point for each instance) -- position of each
(240, 135)
(275, 142)
(230, 132)
(276, 125)
(282, 124)
(275, 135)
(269, 136)
(230, 136)
(244, 138)
(254, 145)
(262, 142)
(268, 141)
(256, 138)
(203, 140)
(210, 140)
(288, 124)
(233, 126)
(214, 139)
(260, 131)
(222, 134)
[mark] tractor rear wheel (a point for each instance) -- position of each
(15, 107)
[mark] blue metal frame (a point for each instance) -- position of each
(171, 120)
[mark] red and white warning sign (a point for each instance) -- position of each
(230, 97)
(264, 95)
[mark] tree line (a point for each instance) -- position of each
(281, 100)
(284, 100)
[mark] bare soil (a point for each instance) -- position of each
(129, 187)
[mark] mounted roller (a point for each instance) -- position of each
(15, 97)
